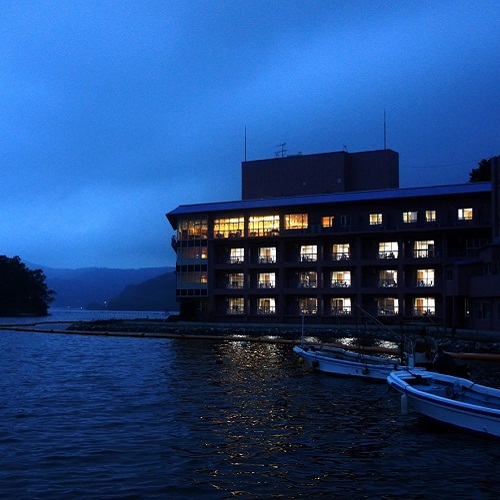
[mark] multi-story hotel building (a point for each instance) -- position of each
(320, 234)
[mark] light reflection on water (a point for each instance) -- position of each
(99, 417)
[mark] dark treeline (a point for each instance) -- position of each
(22, 291)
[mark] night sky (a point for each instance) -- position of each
(115, 112)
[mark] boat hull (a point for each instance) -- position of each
(341, 362)
(449, 399)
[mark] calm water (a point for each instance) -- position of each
(99, 417)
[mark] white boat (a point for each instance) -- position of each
(453, 400)
(340, 361)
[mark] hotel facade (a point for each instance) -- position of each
(320, 235)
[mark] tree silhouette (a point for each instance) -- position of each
(22, 291)
(482, 172)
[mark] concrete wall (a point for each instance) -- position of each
(320, 174)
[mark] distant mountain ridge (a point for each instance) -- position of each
(101, 288)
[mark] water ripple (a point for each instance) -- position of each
(97, 417)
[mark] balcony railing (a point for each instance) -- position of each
(341, 284)
(341, 256)
(267, 260)
(266, 310)
(388, 255)
(388, 311)
(266, 284)
(387, 283)
(423, 253)
(341, 311)
(424, 283)
(307, 284)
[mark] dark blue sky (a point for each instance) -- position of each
(115, 112)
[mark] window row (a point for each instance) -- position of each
(386, 306)
(336, 279)
(339, 251)
(270, 225)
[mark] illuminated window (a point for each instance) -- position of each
(229, 228)
(341, 279)
(387, 278)
(341, 251)
(296, 221)
(192, 229)
(267, 255)
(375, 219)
(267, 280)
(194, 254)
(423, 249)
(409, 217)
(309, 253)
(264, 225)
(236, 305)
(236, 280)
(266, 306)
(465, 214)
(328, 221)
(425, 277)
(430, 215)
(308, 305)
(237, 256)
(341, 306)
(388, 250)
(424, 305)
(192, 279)
(308, 279)
(388, 306)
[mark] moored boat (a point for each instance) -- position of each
(449, 399)
(340, 361)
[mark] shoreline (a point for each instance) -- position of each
(268, 333)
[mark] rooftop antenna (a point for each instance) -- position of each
(281, 154)
(385, 133)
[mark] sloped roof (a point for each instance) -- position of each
(360, 196)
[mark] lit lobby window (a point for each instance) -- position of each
(229, 228)
(264, 225)
(296, 221)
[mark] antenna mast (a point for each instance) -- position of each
(281, 154)
(385, 133)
